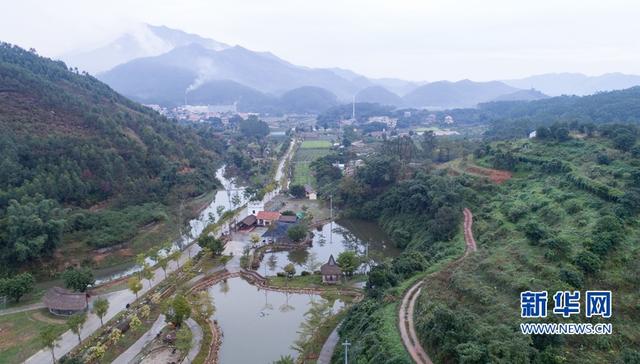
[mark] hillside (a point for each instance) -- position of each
(143, 41)
(85, 161)
(556, 84)
(308, 99)
(445, 94)
(522, 95)
(518, 118)
(566, 221)
(149, 79)
(379, 95)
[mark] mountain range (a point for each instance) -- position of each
(159, 65)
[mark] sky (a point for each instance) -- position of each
(415, 40)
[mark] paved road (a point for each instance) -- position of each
(117, 302)
(329, 346)
(33, 306)
(130, 354)
(195, 342)
(407, 306)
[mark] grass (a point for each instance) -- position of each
(312, 281)
(19, 333)
(302, 174)
(315, 144)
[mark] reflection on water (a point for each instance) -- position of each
(363, 237)
(229, 198)
(259, 325)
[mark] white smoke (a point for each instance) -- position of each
(207, 71)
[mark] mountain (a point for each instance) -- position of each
(308, 99)
(151, 79)
(522, 95)
(556, 84)
(145, 41)
(380, 95)
(465, 93)
(226, 92)
(68, 140)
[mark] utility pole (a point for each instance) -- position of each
(346, 345)
(331, 220)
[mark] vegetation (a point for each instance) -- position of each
(21, 333)
(17, 286)
(69, 143)
(76, 322)
(298, 232)
(177, 310)
(100, 308)
(78, 279)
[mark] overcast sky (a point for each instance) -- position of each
(416, 40)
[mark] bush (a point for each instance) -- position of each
(588, 262)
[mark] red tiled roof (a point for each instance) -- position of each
(268, 215)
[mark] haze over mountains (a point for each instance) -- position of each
(165, 66)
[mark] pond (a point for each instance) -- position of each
(260, 325)
(366, 238)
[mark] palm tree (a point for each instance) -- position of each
(100, 308)
(49, 338)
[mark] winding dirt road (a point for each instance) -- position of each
(405, 314)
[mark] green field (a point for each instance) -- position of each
(19, 334)
(315, 144)
(309, 151)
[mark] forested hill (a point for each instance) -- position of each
(517, 118)
(68, 140)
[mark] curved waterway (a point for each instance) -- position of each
(223, 198)
(260, 325)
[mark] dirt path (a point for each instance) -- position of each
(405, 314)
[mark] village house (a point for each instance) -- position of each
(330, 272)
(310, 193)
(267, 218)
(288, 219)
(62, 302)
(247, 223)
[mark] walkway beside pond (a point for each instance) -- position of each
(329, 346)
(135, 349)
(196, 341)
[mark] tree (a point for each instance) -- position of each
(297, 191)
(177, 310)
(78, 279)
(288, 359)
(184, 339)
(297, 232)
(253, 127)
(203, 305)
(134, 285)
(135, 323)
(17, 286)
(235, 200)
(49, 338)
(348, 261)
(148, 274)
(220, 210)
(175, 256)
(76, 322)
(163, 263)
(211, 243)
(100, 308)
(255, 239)
(114, 336)
(290, 270)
